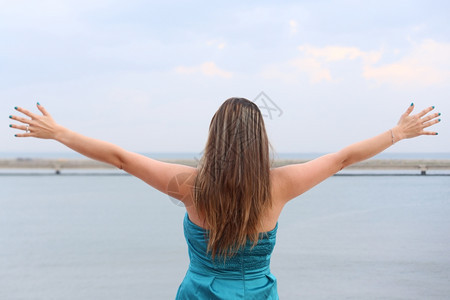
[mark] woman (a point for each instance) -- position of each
(233, 198)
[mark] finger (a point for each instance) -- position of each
(430, 117)
(428, 124)
(21, 127)
(42, 109)
(20, 119)
(24, 134)
(429, 133)
(425, 111)
(410, 109)
(26, 112)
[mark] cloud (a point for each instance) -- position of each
(316, 63)
(293, 26)
(426, 64)
(422, 64)
(339, 53)
(216, 43)
(313, 68)
(209, 69)
(292, 70)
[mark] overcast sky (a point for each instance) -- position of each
(149, 75)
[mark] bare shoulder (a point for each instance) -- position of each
(281, 180)
(293, 180)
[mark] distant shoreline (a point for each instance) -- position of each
(196, 155)
(372, 164)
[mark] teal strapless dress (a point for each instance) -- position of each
(243, 276)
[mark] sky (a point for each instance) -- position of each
(149, 75)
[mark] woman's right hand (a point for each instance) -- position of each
(38, 126)
(410, 126)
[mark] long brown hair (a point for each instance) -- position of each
(232, 187)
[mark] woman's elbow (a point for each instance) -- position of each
(342, 160)
(118, 160)
(119, 165)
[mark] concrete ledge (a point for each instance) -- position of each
(374, 164)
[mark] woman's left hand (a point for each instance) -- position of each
(410, 126)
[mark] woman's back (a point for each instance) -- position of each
(245, 275)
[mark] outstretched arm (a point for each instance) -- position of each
(297, 179)
(156, 173)
(409, 126)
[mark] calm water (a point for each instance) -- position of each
(113, 237)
